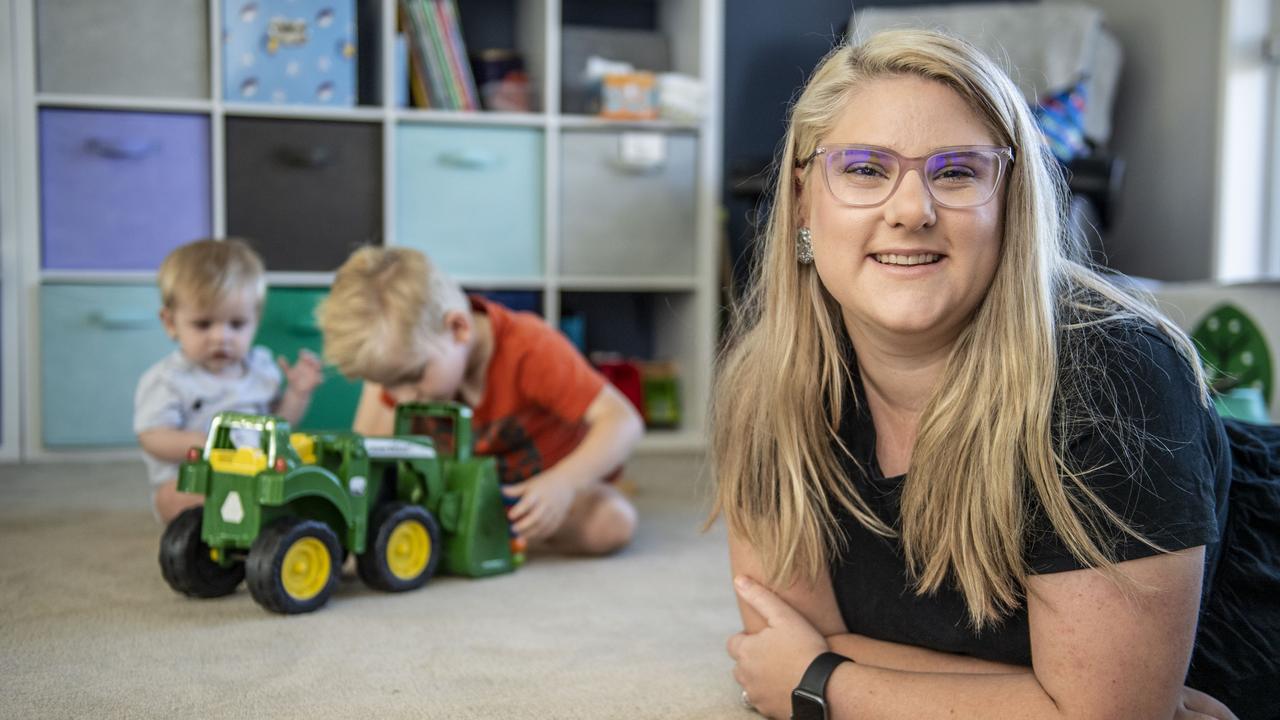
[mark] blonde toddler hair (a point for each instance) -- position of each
(206, 272)
(387, 306)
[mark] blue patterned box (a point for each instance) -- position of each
(297, 52)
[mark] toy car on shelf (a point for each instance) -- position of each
(283, 510)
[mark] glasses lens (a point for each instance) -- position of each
(963, 178)
(861, 176)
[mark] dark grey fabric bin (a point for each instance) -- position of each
(304, 192)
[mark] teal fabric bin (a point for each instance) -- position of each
(289, 325)
(95, 343)
(471, 198)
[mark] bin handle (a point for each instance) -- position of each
(134, 148)
(636, 167)
(122, 319)
(313, 157)
(470, 159)
(306, 328)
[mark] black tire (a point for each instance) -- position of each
(403, 567)
(307, 583)
(185, 561)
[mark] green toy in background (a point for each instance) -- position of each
(1237, 363)
(283, 509)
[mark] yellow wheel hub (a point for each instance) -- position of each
(306, 568)
(408, 550)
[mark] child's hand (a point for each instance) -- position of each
(544, 502)
(304, 375)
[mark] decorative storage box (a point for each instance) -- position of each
(469, 197)
(119, 190)
(289, 52)
(118, 326)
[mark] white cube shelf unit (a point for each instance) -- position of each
(545, 202)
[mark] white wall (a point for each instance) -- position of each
(10, 331)
(1245, 149)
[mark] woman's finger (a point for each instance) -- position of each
(733, 644)
(772, 608)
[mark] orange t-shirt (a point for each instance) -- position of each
(537, 388)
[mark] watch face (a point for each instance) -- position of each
(805, 706)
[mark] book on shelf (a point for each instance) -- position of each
(440, 74)
(458, 54)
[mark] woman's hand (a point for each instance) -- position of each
(1195, 705)
(770, 663)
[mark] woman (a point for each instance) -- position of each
(946, 449)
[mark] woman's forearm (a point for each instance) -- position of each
(896, 656)
(873, 693)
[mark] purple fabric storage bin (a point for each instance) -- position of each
(119, 190)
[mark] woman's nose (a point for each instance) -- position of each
(910, 206)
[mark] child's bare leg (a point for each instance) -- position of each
(170, 503)
(600, 521)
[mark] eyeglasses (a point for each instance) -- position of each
(957, 177)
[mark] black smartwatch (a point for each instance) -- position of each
(809, 699)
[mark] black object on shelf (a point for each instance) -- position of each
(1098, 178)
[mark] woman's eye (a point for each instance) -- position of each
(955, 172)
(863, 170)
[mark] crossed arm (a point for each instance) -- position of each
(1097, 653)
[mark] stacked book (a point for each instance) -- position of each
(439, 73)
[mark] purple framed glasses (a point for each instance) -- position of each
(866, 176)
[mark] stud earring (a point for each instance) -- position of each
(804, 246)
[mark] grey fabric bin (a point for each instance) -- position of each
(620, 219)
(136, 48)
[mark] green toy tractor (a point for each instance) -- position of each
(284, 509)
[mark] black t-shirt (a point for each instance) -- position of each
(1173, 491)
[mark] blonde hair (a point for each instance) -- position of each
(385, 309)
(206, 272)
(986, 440)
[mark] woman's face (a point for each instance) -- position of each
(882, 295)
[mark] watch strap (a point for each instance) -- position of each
(812, 690)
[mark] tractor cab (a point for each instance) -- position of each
(248, 444)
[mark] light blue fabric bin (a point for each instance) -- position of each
(95, 343)
(471, 198)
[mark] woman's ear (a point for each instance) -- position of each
(800, 197)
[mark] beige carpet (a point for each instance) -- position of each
(88, 628)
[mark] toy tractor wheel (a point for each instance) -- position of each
(294, 565)
(187, 563)
(403, 550)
